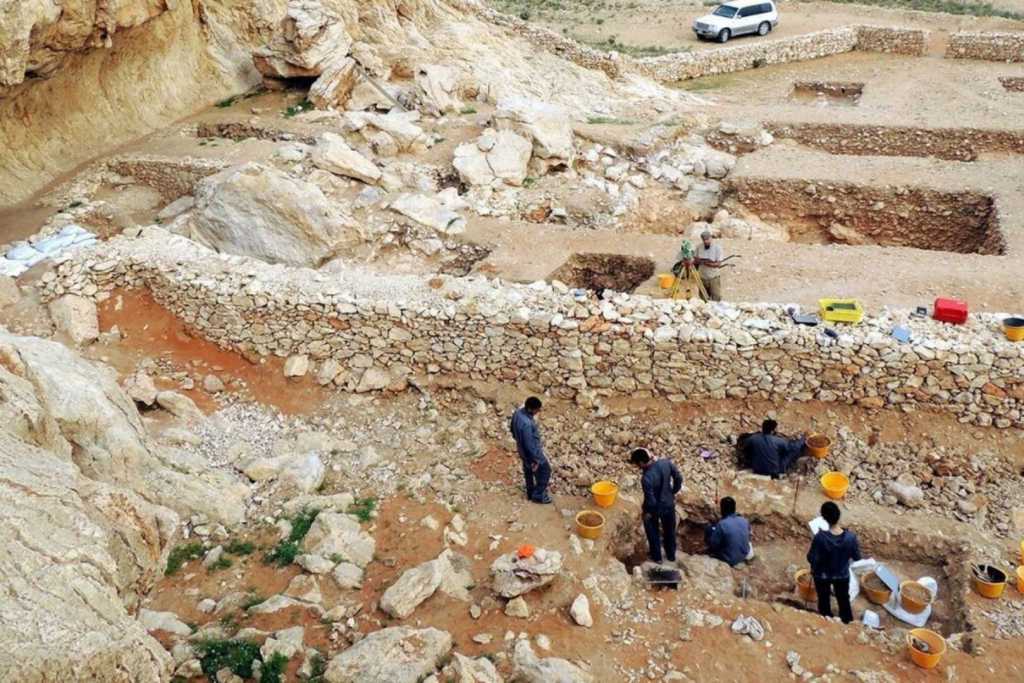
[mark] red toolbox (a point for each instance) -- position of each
(950, 311)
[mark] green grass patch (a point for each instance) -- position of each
(296, 109)
(237, 655)
(466, 111)
(224, 104)
(221, 563)
(253, 600)
(974, 9)
(318, 667)
(610, 121)
(236, 547)
(284, 553)
(273, 669)
(708, 83)
(362, 509)
(181, 554)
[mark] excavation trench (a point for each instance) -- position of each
(827, 93)
(952, 144)
(598, 272)
(781, 542)
(893, 216)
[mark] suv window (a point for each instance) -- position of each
(766, 8)
(749, 11)
(725, 11)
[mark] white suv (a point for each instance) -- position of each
(737, 18)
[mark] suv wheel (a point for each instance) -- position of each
(764, 28)
(724, 35)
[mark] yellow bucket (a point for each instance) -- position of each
(835, 484)
(989, 589)
(936, 647)
(1020, 579)
(818, 444)
(589, 524)
(1013, 328)
(604, 493)
(666, 280)
(805, 585)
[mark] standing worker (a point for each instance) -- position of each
(661, 481)
(830, 555)
(709, 261)
(536, 469)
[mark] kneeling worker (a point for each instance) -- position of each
(661, 481)
(729, 539)
(768, 453)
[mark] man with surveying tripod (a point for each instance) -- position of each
(702, 266)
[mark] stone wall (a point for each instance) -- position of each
(173, 177)
(374, 329)
(954, 144)
(682, 66)
(992, 47)
(900, 41)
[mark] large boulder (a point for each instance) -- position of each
(75, 316)
(333, 154)
(548, 126)
(309, 37)
(437, 88)
(335, 85)
(462, 669)
(254, 210)
(83, 414)
(430, 212)
(531, 669)
(74, 552)
(397, 655)
(496, 157)
(337, 534)
(401, 126)
(705, 573)
(449, 572)
(513, 576)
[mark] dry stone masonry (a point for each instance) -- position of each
(992, 47)
(569, 342)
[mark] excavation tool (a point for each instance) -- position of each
(663, 576)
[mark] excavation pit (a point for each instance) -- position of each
(780, 544)
(598, 272)
(827, 93)
(861, 215)
(1012, 83)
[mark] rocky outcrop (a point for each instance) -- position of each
(529, 668)
(308, 38)
(449, 573)
(339, 536)
(255, 210)
(547, 125)
(397, 655)
(333, 154)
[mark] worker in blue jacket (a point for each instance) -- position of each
(536, 469)
(661, 481)
(729, 539)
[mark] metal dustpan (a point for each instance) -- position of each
(887, 577)
(663, 576)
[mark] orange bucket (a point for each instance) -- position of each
(666, 280)
(604, 493)
(590, 524)
(818, 445)
(805, 585)
(870, 583)
(936, 647)
(989, 589)
(1020, 579)
(835, 484)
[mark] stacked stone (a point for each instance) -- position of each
(900, 41)
(569, 342)
(989, 46)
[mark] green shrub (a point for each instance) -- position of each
(284, 553)
(221, 563)
(273, 669)
(240, 547)
(181, 554)
(237, 655)
(296, 109)
(363, 509)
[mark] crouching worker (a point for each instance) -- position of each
(767, 453)
(729, 539)
(661, 481)
(830, 555)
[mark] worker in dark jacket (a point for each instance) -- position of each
(768, 453)
(729, 539)
(536, 469)
(661, 481)
(830, 555)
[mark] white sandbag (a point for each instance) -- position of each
(54, 245)
(22, 252)
(73, 230)
(11, 268)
